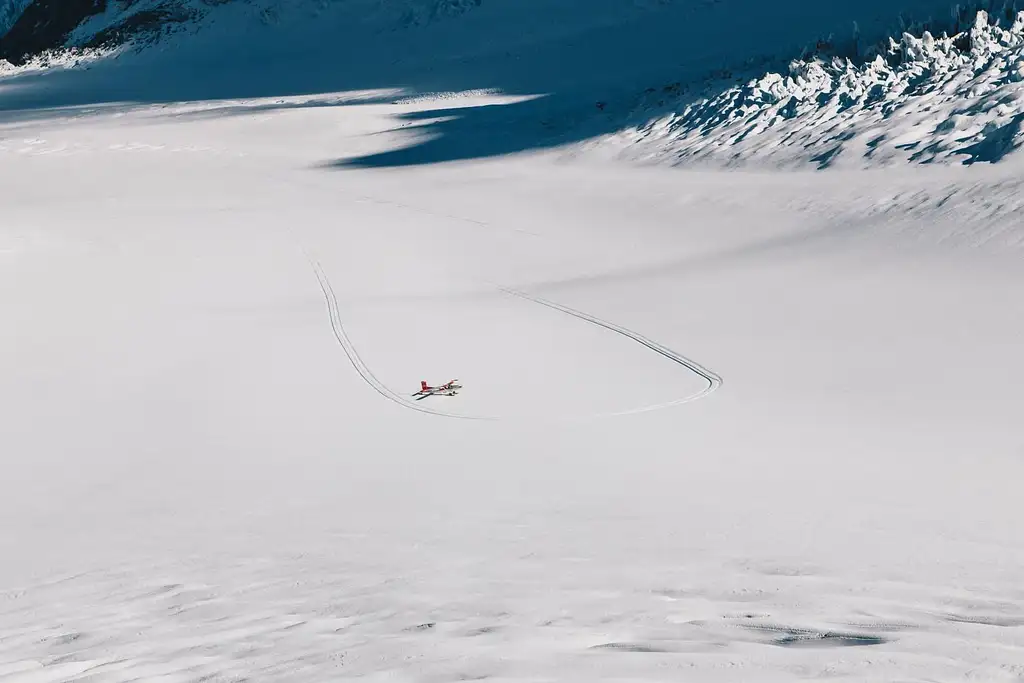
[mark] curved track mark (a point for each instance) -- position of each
(357, 362)
(714, 380)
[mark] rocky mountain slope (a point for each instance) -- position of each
(40, 25)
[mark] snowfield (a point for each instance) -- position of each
(746, 424)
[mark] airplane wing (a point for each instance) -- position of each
(432, 392)
(446, 389)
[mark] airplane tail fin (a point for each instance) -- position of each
(423, 385)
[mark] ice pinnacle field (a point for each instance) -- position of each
(735, 292)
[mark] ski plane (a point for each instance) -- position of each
(447, 389)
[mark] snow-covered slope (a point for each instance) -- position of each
(200, 480)
(51, 25)
(147, 21)
(719, 426)
(572, 70)
(929, 99)
(123, 19)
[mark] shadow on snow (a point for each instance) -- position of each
(574, 80)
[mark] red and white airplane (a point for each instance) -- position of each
(446, 389)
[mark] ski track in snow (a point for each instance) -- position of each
(714, 381)
(357, 362)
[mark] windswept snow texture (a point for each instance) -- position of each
(947, 99)
(219, 260)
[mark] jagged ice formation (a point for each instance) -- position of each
(924, 99)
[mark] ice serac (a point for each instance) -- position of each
(925, 98)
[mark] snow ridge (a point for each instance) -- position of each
(926, 99)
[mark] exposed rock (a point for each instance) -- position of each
(141, 23)
(45, 25)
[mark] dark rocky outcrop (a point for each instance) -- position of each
(45, 25)
(140, 24)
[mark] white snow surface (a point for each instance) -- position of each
(767, 429)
